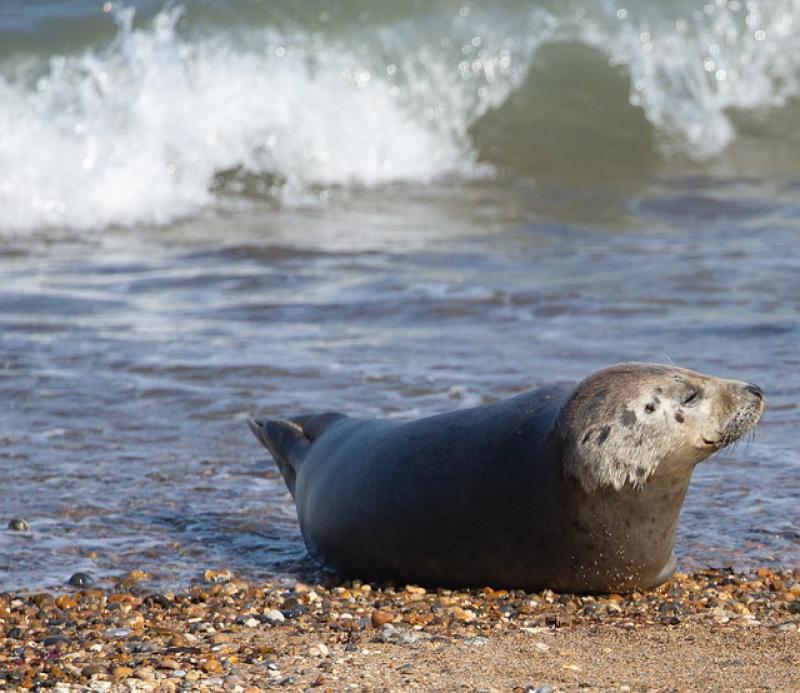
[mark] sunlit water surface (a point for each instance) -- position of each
(130, 360)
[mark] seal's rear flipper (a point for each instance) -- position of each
(285, 441)
(289, 440)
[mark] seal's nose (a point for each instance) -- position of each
(755, 390)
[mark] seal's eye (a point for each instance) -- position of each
(691, 398)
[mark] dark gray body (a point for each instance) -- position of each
(471, 498)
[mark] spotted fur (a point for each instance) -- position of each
(628, 422)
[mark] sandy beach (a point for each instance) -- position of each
(713, 630)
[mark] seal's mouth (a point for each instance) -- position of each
(743, 422)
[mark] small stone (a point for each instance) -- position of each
(252, 623)
(66, 601)
(168, 663)
(122, 672)
(211, 666)
(122, 598)
(380, 617)
(720, 614)
(478, 640)
(138, 575)
(117, 633)
(55, 640)
(158, 599)
(218, 577)
(794, 607)
(145, 673)
(401, 636)
(275, 616)
(319, 650)
(81, 580)
(92, 670)
(14, 633)
(18, 525)
(463, 615)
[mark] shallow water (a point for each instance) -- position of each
(131, 361)
(430, 265)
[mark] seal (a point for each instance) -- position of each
(576, 488)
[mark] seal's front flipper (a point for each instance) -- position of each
(286, 442)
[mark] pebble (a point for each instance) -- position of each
(477, 640)
(55, 640)
(81, 580)
(208, 637)
(275, 616)
(18, 525)
(464, 615)
(66, 602)
(217, 577)
(401, 636)
(380, 617)
(319, 650)
(211, 666)
(122, 672)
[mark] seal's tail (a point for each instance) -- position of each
(289, 440)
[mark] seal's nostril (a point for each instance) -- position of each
(755, 390)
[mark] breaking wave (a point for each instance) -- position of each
(169, 111)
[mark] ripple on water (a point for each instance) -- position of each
(127, 371)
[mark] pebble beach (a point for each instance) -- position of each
(710, 630)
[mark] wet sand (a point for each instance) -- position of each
(712, 630)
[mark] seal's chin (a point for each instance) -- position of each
(741, 423)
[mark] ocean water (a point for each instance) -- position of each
(214, 209)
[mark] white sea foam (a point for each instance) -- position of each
(690, 73)
(144, 129)
(137, 132)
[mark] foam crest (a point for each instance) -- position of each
(161, 123)
(691, 72)
(140, 132)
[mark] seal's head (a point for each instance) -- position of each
(631, 421)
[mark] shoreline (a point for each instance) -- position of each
(713, 629)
